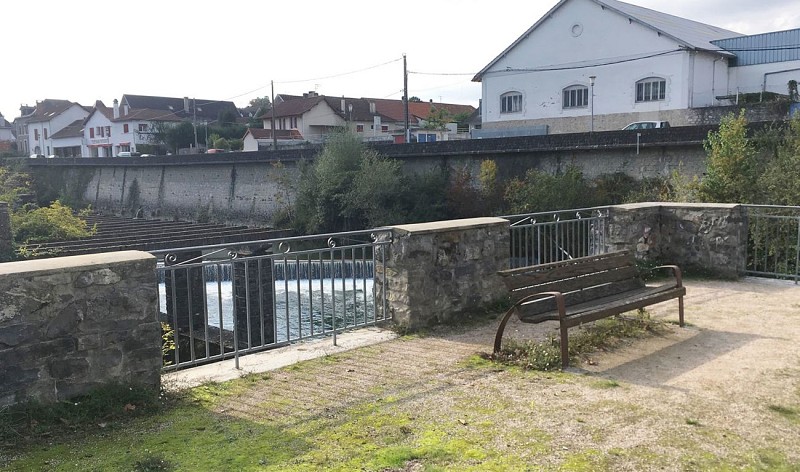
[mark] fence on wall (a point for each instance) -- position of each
(219, 302)
(539, 238)
(773, 241)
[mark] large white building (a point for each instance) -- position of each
(600, 64)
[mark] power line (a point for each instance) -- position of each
(339, 75)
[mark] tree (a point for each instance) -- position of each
(732, 166)
(540, 191)
(414, 99)
(348, 187)
(781, 178)
(437, 119)
(262, 105)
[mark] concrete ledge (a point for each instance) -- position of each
(84, 262)
(449, 225)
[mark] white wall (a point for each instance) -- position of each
(610, 47)
(96, 120)
(750, 79)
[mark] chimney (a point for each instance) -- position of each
(372, 107)
(116, 108)
(186, 104)
(343, 107)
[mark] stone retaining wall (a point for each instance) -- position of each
(72, 324)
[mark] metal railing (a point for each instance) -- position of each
(773, 241)
(218, 302)
(539, 238)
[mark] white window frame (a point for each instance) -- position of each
(511, 102)
(574, 96)
(651, 89)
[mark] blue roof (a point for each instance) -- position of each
(765, 48)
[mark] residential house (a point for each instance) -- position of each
(601, 64)
(21, 129)
(256, 139)
(7, 138)
(315, 116)
(68, 141)
(46, 119)
(134, 121)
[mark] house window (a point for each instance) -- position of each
(651, 89)
(359, 128)
(511, 102)
(108, 131)
(125, 128)
(142, 127)
(576, 96)
(91, 133)
(36, 134)
(100, 131)
(45, 133)
(384, 128)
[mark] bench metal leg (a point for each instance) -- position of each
(680, 311)
(499, 336)
(564, 347)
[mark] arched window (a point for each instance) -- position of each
(575, 96)
(511, 102)
(651, 89)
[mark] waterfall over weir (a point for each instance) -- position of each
(294, 270)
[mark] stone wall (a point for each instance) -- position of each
(251, 188)
(754, 112)
(72, 324)
(437, 272)
(6, 237)
(704, 238)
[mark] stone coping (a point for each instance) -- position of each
(83, 262)
(449, 225)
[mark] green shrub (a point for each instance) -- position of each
(52, 223)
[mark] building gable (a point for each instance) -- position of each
(575, 33)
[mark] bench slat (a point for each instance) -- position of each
(577, 297)
(566, 269)
(574, 283)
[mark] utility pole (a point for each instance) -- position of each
(194, 122)
(405, 98)
(272, 105)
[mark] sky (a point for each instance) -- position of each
(88, 50)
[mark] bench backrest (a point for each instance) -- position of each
(580, 280)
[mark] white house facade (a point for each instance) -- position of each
(601, 64)
(50, 117)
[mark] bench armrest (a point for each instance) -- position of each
(676, 272)
(560, 305)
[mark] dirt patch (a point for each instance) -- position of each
(722, 392)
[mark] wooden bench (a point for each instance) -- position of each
(584, 289)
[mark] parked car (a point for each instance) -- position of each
(215, 151)
(128, 154)
(647, 125)
(36, 156)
